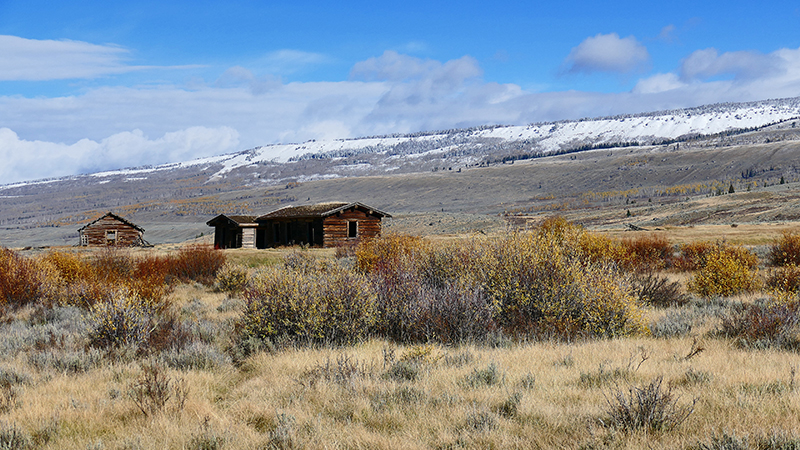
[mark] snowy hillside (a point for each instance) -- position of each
(464, 147)
(544, 137)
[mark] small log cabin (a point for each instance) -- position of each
(321, 225)
(234, 231)
(111, 230)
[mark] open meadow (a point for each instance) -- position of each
(546, 337)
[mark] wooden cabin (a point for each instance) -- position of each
(321, 225)
(111, 230)
(234, 231)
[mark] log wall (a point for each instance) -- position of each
(335, 227)
(98, 232)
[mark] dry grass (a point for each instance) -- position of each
(271, 399)
(748, 234)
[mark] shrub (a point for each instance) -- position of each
(196, 356)
(785, 279)
(604, 376)
(70, 266)
(198, 263)
(451, 314)
(342, 371)
(376, 254)
(231, 278)
(122, 322)
(480, 421)
(763, 325)
(66, 361)
(333, 305)
(109, 273)
(539, 283)
(405, 371)
(601, 249)
(673, 324)
(786, 250)
(24, 281)
(510, 406)
(694, 377)
(13, 438)
(658, 290)
(649, 252)
(726, 271)
(651, 407)
(490, 376)
(542, 287)
(692, 256)
(152, 390)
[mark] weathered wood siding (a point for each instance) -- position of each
(249, 237)
(98, 232)
(335, 227)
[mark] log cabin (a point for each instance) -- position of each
(234, 231)
(111, 230)
(331, 224)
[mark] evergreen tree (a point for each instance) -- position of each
(731, 190)
(782, 180)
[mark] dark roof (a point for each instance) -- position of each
(233, 220)
(113, 216)
(318, 210)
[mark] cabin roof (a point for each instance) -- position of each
(233, 220)
(115, 217)
(317, 210)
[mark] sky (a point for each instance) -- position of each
(97, 85)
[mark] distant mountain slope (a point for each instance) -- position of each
(462, 147)
(260, 179)
(465, 146)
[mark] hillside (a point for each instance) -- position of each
(453, 181)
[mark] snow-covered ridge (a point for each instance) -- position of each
(545, 137)
(540, 138)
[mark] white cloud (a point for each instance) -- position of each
(708, 63)
(288, 61)
(25, 160)
(393, 66)
(607, 53)
(238, 76)
(41, 60)
(661, 82)
(30, 59)
(667, 33)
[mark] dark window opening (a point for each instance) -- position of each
(352, 229)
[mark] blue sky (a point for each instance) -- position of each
(97, 85)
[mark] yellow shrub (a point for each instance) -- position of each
(541, 284)
(332, 305)
(373, 253)
(726, 271)
(601, 249)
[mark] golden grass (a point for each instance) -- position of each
(749, 234)
(746, 392)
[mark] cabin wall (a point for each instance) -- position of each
(98, 232)
(275, 233)
(336, 227)
(249, 237)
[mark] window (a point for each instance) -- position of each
(111, 236)
(84, 239)
(352, 229)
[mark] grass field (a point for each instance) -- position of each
(706, 390)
